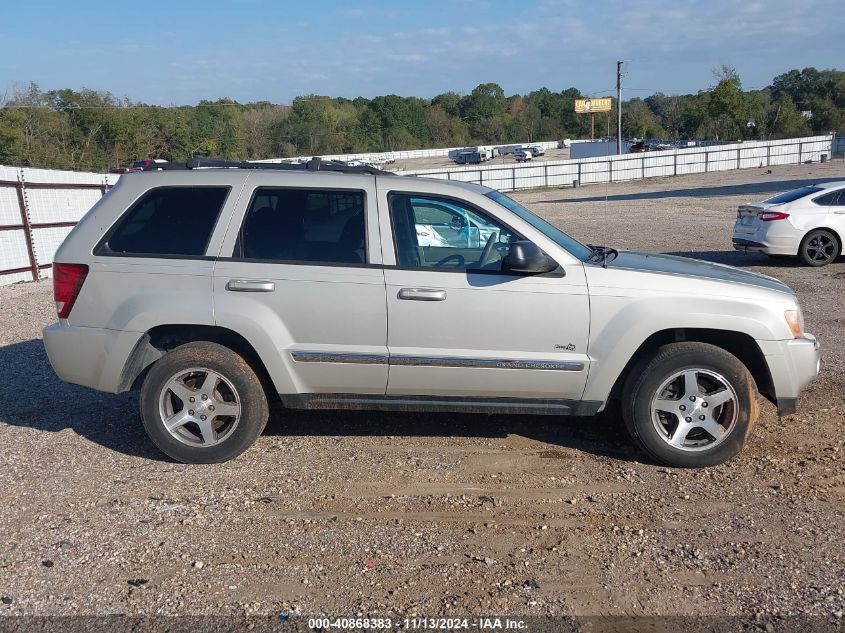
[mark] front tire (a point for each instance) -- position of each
(690, 405)
(202, 403)
(818, 248)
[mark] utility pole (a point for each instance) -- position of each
(619, 107)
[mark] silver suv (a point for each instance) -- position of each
(216, 291)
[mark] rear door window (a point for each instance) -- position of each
(167, 221)
(302, 226)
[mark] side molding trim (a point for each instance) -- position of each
(436, 361)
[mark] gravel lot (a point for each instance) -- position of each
(348, 513)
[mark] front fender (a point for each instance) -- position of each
(619, 326)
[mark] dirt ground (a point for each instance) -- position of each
(379, 514)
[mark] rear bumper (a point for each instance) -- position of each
(772, 238)
(793, 365)
(92, 357)
(769, 247)
(747, 245)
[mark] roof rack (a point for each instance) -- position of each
(315, 164)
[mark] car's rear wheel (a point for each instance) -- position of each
(690, 405)
(818, 248)
(202, 403)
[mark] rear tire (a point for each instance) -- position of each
(818, 248)
(202, 403)
(690, 405)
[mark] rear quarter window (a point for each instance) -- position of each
(832, 199)
(792, 196)
(167, 221)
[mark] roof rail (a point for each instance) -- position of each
(315, 164)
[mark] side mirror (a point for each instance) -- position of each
(526, 258)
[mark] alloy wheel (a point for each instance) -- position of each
(820, 248)
(694, 409)
(199, 407)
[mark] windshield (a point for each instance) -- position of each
(791, 196)
(573, 246)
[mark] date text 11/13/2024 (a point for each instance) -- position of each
(418, 624)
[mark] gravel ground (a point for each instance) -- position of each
(375, 513)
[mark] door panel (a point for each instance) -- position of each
(338, 313)
(478, 332)
(492, 335)
(322, 320)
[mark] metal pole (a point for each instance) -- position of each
(27, 230)
(619, 107)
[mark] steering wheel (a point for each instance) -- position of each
(457, 257)
(488, 251)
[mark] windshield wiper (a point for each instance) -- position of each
(602, 254)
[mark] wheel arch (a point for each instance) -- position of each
(159, 340)
(740, 344)
(836, 234)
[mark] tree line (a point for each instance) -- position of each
(94, 130)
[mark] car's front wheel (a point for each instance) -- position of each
(690, 405)
(818, 248)
(202, 403)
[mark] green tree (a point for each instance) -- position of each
(726, 104)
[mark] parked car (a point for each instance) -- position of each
(522, 155)
(218, 291)
(808, 222)
(536, 150)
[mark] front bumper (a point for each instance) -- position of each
(793, 365)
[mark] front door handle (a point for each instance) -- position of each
(422, 294)
(250, 285)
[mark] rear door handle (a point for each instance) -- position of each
(422, 294)
(250, 285)
(839, 212)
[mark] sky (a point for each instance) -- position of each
(181, 51)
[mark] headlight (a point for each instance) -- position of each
(795, 321)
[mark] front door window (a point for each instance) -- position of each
(439, 233)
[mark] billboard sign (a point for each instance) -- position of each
(600, 104)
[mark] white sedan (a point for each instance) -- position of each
(808, 222)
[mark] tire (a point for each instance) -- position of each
(668, 432)
(227, 394)
(819, 247)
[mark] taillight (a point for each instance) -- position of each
(67, 282)
(769, 216)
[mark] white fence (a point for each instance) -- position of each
(378, 157)
(38, 207)
(694, 160)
